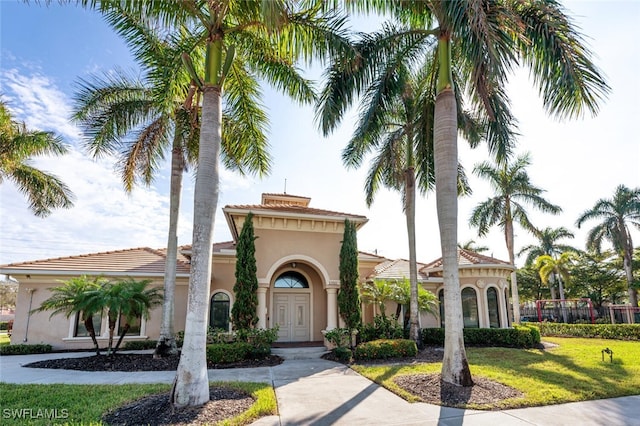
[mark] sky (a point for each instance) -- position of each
(46, 50)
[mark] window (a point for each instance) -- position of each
(470, 308)
(219, 311)
(494, 308)
(135, 325)
(81, 331)
(441, 299)
(291, 279)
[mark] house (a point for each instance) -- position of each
(297, 256)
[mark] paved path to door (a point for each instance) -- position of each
(318, 392)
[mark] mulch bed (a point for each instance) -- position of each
(156, 410)
(140, 362)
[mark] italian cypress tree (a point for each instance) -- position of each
(348, 296)
(244, 312)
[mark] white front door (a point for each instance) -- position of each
(292, 316)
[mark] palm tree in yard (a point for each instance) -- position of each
(514, 192)
(616, 216)
(72, 298)
(396, 121)
(485, 40)
(547, 244)
(241, 41)
(141, 120)
(556, 269)
(18, 146)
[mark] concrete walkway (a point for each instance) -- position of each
(318, 392)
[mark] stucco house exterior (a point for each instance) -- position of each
(297, 256)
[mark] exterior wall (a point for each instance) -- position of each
(57, 330)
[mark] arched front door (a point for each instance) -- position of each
(291, 307)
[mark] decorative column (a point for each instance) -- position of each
(332, 308)
(262, 307)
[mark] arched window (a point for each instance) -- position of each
(291, 279)
(219, 311)
(441, 300)
(494, 307)
(470, 308)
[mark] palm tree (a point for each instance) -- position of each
(427, 301)
(485, 40)
(157, 114)
(471, 245)
(138, 302)
(396, 120)
(243, 40)
(18, 145)
(548, 244)
(513, 193)
(378, 292)
(72, 298)
(616, 215)
(556, 269)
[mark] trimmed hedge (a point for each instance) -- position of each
(138, 345)
(385, 348)
(22, 349)
(225, 353)
(602, 331)
(524, 336)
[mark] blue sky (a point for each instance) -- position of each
(45, 50)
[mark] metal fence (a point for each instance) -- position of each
(579, 312)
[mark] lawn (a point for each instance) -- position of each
(4, 338)
(573, 371)
(85, 404)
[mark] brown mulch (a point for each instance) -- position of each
(140, 362)
(224, 403)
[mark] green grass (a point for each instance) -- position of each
(573, 371)
(4, 338)
(85, 404)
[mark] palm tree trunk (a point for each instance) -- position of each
(88, 324)
(410, 212)
(167, 342)
(191, 386)
(455, 367)
(627, 259)
(508, 231)
(125, 330)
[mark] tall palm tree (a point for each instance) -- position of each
(547, 244)
(247, 40)
(141, 120)
(486, 39)
(616, 215)
(396, 121)
(18, 145)
(514, 192)
(72, 298)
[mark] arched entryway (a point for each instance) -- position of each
(291, 311)
(219, 311)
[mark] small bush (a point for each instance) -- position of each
(343, 354)
(25, 349)
(382, 328)
(219, 335)
(4, 325)
(138, 345)
(517, 337)
(259, 339)
(339, 337)
(386, 348)
(602, 331)
(225, 353)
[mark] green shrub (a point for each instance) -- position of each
(4, 325)
(602, 331)
(25, 349)
(259, 339)
(386, 348)
(219, 335)
(138, 345)
(225, 353)
(382, 328)
(343, 354)
(517, 337)
(339, 337)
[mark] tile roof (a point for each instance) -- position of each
(467, 258)
(138, 261)
(395, 269)
(294, 208)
